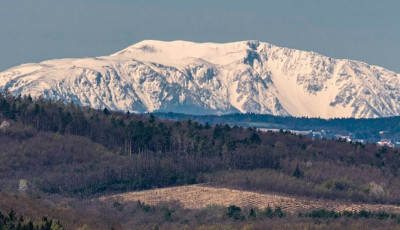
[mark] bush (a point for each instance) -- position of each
(382, 215)
(322, 213)
(118, 206)
(276, 213)
(365, 214)
(347, 213)
(167, 213)
(252, 214)
(234, 212)
(297, 173)
(143, 206)
(268, 211)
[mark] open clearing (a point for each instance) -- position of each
(200, 196)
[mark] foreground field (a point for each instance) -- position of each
(201, 196)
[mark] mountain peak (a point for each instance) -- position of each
(216, 78)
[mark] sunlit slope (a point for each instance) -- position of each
(211, 78)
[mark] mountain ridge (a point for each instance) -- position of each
(214, 78)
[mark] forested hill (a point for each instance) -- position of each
(79, 151)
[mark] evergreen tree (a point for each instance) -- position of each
(297, 173)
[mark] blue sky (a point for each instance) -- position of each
(37, 30)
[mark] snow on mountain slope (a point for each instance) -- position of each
(211, 78)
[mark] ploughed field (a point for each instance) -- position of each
(200, 196)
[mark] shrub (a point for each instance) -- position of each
(347, 213)
(323, 213)
(143, 206)
(365, 214)
(276, 213)
(118, 206)
(382, 215)
(234, 212)
(297, 173)
(268, 211)
(167, 213)
(252, 214)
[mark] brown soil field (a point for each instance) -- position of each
(200, 196)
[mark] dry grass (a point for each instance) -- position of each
(200, 196)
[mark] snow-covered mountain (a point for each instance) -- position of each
(210, 78)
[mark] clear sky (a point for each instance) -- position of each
(37, 30)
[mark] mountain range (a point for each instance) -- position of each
(212, 78)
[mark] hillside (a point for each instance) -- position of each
(211, 78)
(59, 156)
(201, 196)
(75, 150)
